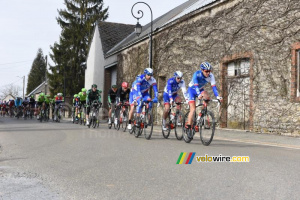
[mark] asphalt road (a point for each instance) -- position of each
(68, 161)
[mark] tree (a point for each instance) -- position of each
(10, 89)
(37, 73)
(77, 22)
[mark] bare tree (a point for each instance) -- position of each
(10, 89)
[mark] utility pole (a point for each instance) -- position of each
(46, 77)
(23, 86)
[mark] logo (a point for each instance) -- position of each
(189, 159)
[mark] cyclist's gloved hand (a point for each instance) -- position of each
(220, 98)
(155, 100)
(171, 101)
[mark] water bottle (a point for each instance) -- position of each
(198, 118)
(171, 116)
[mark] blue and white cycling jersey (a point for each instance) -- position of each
(199, 81)
(173, 87)
(141, 86)
(18, 102)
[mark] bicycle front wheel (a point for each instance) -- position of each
(179, 125)
(187, 132)
(94, 122)
(124, 121)
(166, 132)
(207, 128)
(148, 125)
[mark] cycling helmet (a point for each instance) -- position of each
(205, 66)
(83, 90)
(59, 94)
(42, 95)
(178, 74)
(148, 71)
(125, 85)
(94, 86)
(114, 86)
(75, 95)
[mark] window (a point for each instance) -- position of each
(238, 68)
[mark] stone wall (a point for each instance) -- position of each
(266, 29)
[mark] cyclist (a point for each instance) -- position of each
(11, 106)
(123, 95)
(39, 103)
(47, 104)
(52, 105)
(139, 92)
(76, 102)
(3, 108)
(92, 95)
(59, 99)
(196, 90)
(82, 97)
(112, 94)
(170, 94)
(25, 104)
(31, 103)
(18, 105)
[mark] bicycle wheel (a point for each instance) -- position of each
(185, 131)
(207, 128)
(179, 125)
(94, 124)
(110, 125)
(138, 129)
(166, 133)
(148, 124)
(125, 120)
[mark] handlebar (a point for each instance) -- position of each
(213, 100)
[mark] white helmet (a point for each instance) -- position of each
(148, 71)
(178, 74)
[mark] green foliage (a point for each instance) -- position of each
(37, 73)
(77, 22)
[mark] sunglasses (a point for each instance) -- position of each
(150, 74)
(206, 71)
(179, 78)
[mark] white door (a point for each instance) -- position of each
(238, 84)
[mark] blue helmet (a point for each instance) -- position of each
(148, 71)
(205, 66)
(178, 74)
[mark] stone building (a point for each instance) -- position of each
(254, 46)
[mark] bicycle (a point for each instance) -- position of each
(81, 115)
(93, 118)
(205, 124)
(43, 115)
(19, 111)
(26, 112)
(112, 118)
(142, 122)
(122, 115)
(59, 113)
(174, 121)
(73, 114)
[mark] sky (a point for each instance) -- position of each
(29, 25)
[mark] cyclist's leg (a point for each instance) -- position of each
(177, 99)
(166, 105)
(192, 98)
(131, 102)
(88, 109)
